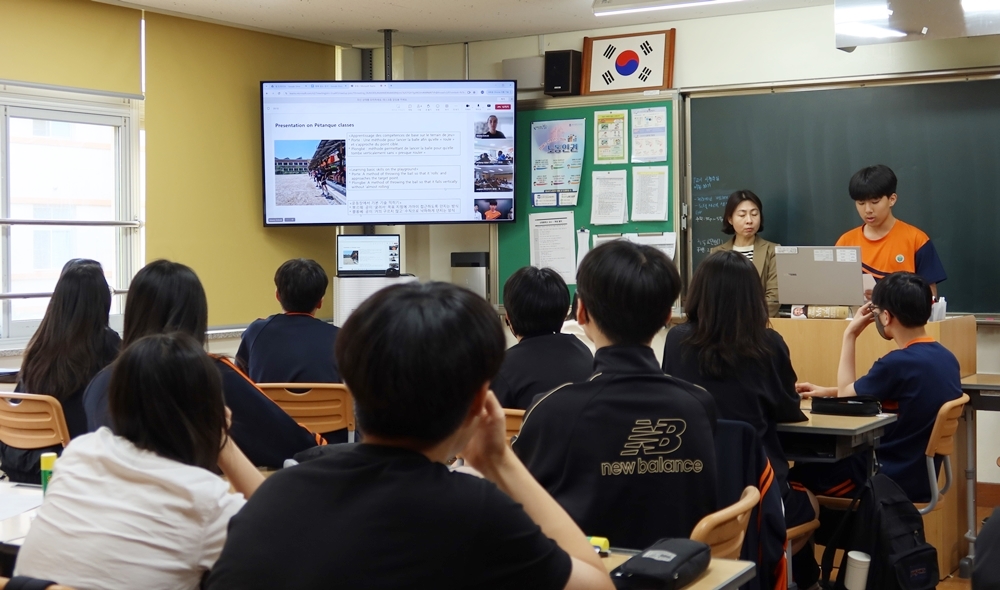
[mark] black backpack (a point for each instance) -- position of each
(887, 527)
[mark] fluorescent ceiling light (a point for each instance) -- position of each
(981, 5)
(867, 30)
(608, 7)
(867, 12)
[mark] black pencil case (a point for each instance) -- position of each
(859, 405)
(669, 564)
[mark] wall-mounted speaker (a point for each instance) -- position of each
(562, 72)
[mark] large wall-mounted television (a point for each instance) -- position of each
(342, 153)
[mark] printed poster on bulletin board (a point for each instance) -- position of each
(556, 162)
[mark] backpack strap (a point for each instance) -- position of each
(23, 583)
(837, 539)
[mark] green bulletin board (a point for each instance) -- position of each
(513, 239)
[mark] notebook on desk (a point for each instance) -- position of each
(817, 275)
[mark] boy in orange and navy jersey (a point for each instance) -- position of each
(887, 244)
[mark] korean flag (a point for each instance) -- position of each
(625, 63)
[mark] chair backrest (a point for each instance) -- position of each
(514, 420)
(31, 421)
(320, 407)
(4, 582)
(942, 439)
(724, 530)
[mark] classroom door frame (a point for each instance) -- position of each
(683, 126)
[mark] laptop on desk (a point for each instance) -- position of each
(368, 255)
(820, 275)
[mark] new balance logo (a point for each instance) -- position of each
(608, 78)
(660, 439)
(644, 75)
(653, 440)
(646, 48)
(610, 51)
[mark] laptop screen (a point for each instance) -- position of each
(367, 255)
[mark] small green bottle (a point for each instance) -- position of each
(48, 462)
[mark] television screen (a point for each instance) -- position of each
(388, 152)
(367, 255)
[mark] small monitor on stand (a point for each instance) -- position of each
(368, 255)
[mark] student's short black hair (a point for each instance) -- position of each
(536, 300)
(414, 356)
(906, 296)
(165, 396)
(627, 290)
(301, 284)
(872, 182)
(165, 296)
(734, 201)
(492, 202)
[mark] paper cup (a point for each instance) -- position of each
(857, 570)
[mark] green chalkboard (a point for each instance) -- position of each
(798, 150)
(513, 242)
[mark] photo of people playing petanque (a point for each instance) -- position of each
(493, 182)
(310, 172)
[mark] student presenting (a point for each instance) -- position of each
(744, 220)
(914, 381)
(887, 244)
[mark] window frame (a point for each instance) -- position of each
(123, 112)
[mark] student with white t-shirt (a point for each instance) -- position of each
(140, 507)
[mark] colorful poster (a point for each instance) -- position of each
(649, 135)
(611, 137)
(556, 161)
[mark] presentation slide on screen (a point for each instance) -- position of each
(388, 152)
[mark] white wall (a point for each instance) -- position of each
(761, 47)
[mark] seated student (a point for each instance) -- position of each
(630, 454)
(914, 381)
(142, 508)
(536, 300)
(887, 244)
(727, 347)
(72, 343)
(570, 326)
(388, 513)
(165, 297)
(294, 346)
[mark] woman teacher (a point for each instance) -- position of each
(743, 219)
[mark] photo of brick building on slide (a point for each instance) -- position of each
(310, 172)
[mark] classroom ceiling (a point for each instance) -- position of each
(430, 22)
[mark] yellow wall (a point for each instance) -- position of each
(76, 43)
(203, 160)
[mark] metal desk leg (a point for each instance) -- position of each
(965, 565)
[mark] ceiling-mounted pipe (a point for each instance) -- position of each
(387, 43)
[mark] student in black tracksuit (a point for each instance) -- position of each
(168, 297)
(630, 454)
(418, 360)
(294, 346)
(536, 300)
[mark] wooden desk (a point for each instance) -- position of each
(815, 345)
(722, 574)
(984, 396)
